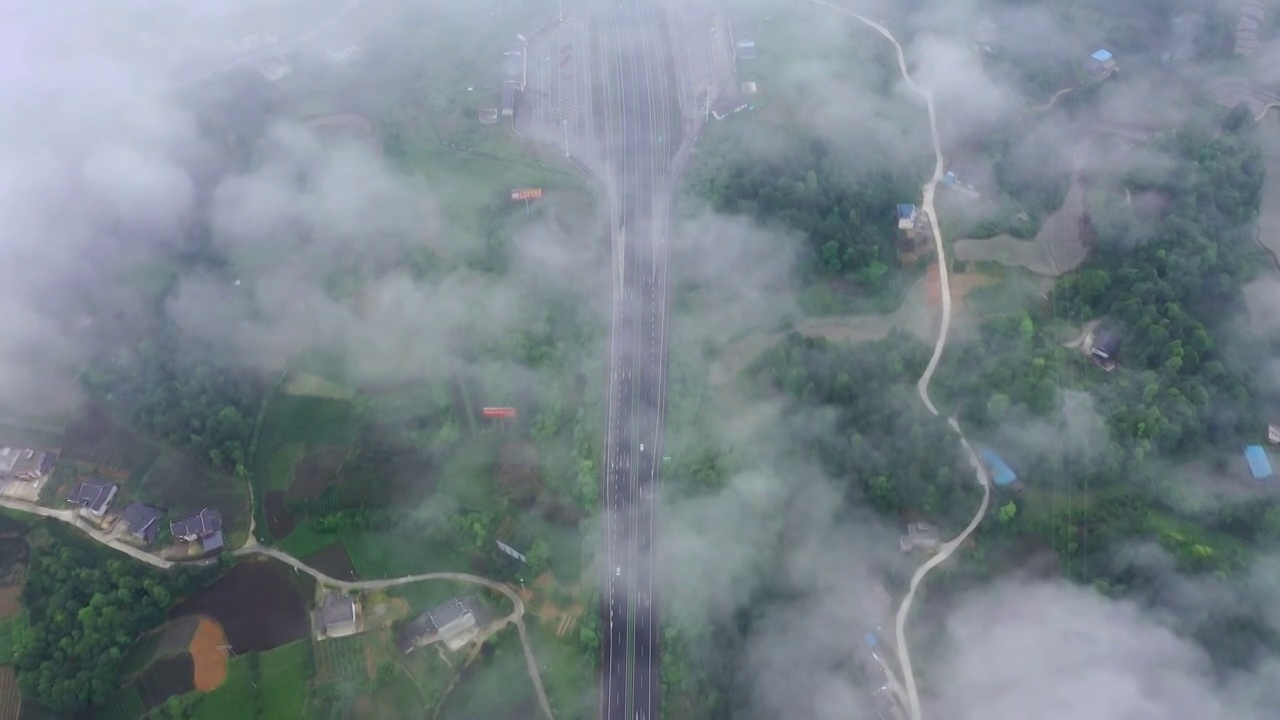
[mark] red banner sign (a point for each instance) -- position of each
(526, 194)
(499, 412)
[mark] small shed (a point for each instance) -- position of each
(906, 215)
(1001, 473)
(1259, 464)
(1101, 55)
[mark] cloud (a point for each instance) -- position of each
(1061, 652)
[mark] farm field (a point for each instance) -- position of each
(16, 433)
(209, 655)
(309, 385)
(259, 605)
(1008, 251)
(332, 561)
(13, 562)
(304, 541)
(237, 698)
(7, 627)
(284, 677)
(290, 425)
(184, 487)
(496, 687)
(379, 555)
(93, 439)
(10, 696)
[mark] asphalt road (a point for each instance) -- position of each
(639, 126)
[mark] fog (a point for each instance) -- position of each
(107, 170)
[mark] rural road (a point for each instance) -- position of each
(251, 547)
(517, 613)
(72, 518)
(945, 551)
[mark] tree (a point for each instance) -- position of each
(538, 556)
(1007, 512)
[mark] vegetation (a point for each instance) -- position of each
(843, 210)
(83, 612)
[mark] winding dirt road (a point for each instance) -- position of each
(945, 551)
(251, 547)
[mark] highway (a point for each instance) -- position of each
(640, 129)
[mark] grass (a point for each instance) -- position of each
(568, 673)
(22, 433)
(423, 596)
(236, 698)
(378, 555)
(341, 659)
(305, 541)
(277, 470)
(498, 688)
(284, 678)
(467, 476)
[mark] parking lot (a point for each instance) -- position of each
(557, 100)
(704, 58)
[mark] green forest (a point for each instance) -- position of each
(814, 187)
(85, 607)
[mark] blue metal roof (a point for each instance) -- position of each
(906, 211)
(871, 639)
(1101, 55)
(1001, 473)
(949, 178)
(1259, 465)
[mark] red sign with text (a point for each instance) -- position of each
(499, 412)
(526, 194)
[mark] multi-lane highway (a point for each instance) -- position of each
(639, 135)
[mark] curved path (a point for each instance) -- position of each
(251, 547)
(945, 551)
(1048, 104)
(516, 616)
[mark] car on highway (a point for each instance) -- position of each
(617, 572)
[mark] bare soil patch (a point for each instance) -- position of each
(516, 474)
(280, 522)
(315, 471)
(209, 654)
(333, 561)
(257, 604)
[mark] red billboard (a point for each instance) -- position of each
(499, 412)
(526, 194)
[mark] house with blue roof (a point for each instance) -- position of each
(1259, 463)
(1101, 64)
(1001, 474)
(906, 216)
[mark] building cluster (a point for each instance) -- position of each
(742, 42)
(94, 495)
(27, 464)
(914, 234)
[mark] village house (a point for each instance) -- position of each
(1259, 463)
(337, 616)
(93, 495)
(143, 521)
(24, 463)
(1273, 434)
(920, 535)
(205, 527)
(453, 622)
(1001, 474)
(1104, 348)
(1101, 65)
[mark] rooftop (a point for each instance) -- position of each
(906, 211)
(1001, 473)
(448, 612)
(143, 520)
(92, 492)
(1101, 56)
(337, 609)
(1259, 463)
(204, 523)
(23, 461)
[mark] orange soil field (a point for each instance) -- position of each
(10, 698)
(961, 284)
(209, 655)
